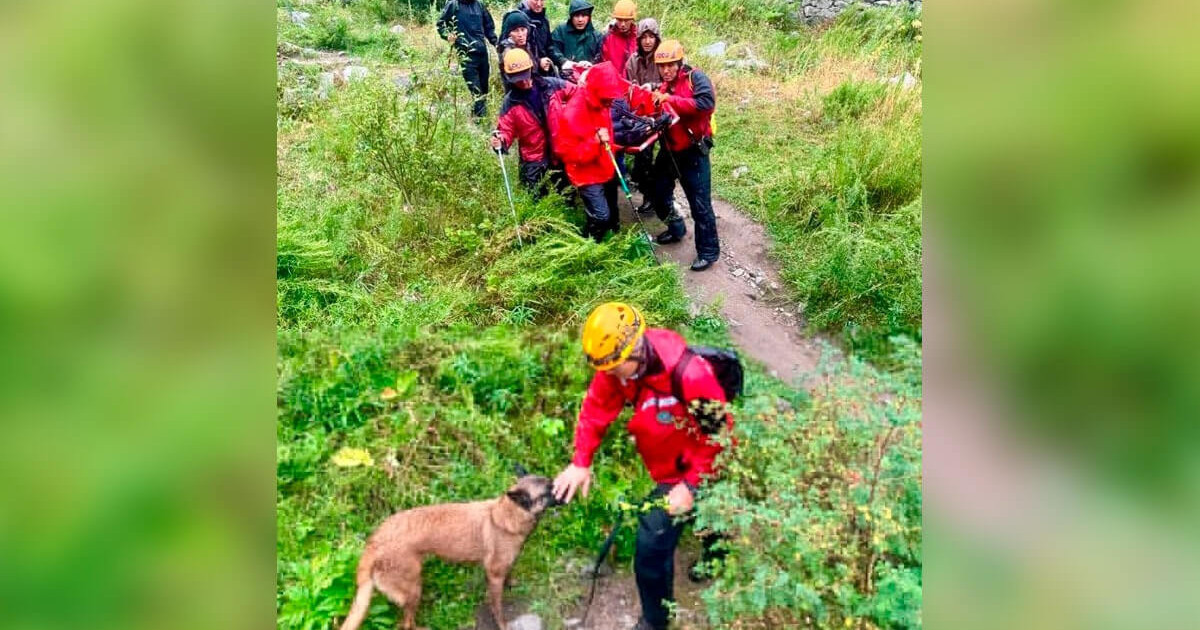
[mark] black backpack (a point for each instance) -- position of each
(725, 364)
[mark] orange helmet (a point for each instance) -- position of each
(624, 10)
(669, 51)
(516, 61)
(610, 334)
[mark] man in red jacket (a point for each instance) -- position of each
(689, 92)
(620, 40)
(523, 117)
(582, 131)
(635, 364)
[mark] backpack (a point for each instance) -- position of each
(726, 365)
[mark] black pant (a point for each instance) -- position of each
(600, 205)
(533, 178)
(654, 559)
(695, 174)
(475, 68)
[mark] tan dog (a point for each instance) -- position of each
(488, 532)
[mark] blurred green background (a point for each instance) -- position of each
(1062, 151)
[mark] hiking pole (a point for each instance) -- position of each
(508, 189)
(629, 198)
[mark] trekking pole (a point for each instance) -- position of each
(508, 190)
(629, 197)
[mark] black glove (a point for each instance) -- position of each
(663, 121)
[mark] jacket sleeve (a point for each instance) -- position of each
(489, 26)
(703, 96)
(506, 125)
(443, 23)
(601, 406)
(708, 407)
(557, 47)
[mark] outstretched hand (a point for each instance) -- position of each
(571, 479)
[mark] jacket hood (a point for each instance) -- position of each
(602, 83)
(579, 5)
(648, 25)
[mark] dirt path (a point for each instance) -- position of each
(763, 323)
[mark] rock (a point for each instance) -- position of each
(774, 286)
(740, 171)
(402, 81)
(355, 72)
(739, 272)
(751, 63)
(300, 17)
(528, 621)
(571, 622)
(288, 49)
(325, 82)
(398, 29)
(734, 323)
(605, 569)
(714, 50)
(906, 81)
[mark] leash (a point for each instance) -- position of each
(605, 547)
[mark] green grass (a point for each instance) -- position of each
(398, 269)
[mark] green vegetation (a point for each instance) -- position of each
(412, 325)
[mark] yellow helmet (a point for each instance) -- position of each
(624, 10)
(610, 334)
(516, 61)
(669, 51)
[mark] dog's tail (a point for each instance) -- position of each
(362, 599)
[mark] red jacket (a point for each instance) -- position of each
(520, 125)
(668, 438)
(693, 98)
(576, 123)
(617, 48)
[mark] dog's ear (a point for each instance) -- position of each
(520, 470)
(521, 498)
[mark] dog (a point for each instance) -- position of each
(488, 532)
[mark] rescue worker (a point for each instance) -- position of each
(583, 133)
(468, 26)
(642, 71)
(635, 364)
(686, 146)
(515, 33)
(575, 42)
(620, 39)
(523, 118)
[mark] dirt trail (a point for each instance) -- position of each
(764, 324)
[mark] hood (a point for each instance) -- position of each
(513, 20)
(579, 5)
(602, 82)
(648, 25)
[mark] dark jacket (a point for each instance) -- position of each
(541, 27)
(569, 44)
(512, 20)
(474, 25)
(629, 129)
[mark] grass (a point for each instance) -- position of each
(412, 324)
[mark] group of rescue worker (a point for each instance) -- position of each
(577, 102)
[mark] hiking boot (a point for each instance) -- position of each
(701, 264)
(666, 238)
(646, 207)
